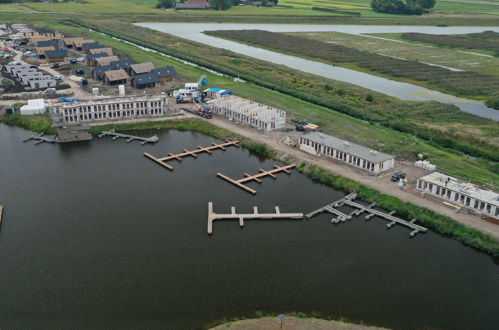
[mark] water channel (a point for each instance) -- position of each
(401, 90)
(95, 236)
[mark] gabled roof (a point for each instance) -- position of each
(56, 53)
(115, 75)
(91, 45)
(79, 42)
(100, 70)
(142, 67)
(94, 56)
(166, 71)
(106, 50)
(145, 78)
(122, 64)
(47, 43)
(102, 61)
(70, 41)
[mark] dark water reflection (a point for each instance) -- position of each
(97, 236)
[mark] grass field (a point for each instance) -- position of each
(373, 135)
(13, 8)
(435, 55)
(285, 8)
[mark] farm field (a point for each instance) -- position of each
(439, 119)
(436, 55)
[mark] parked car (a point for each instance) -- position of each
(72, 61)
(7, 56)
(80, 59)
(57, 78)
(26, 53)
(397, 176)
(55, 66)
(79, 72)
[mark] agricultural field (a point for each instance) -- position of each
(452, 58)
(13, 8)
(312, 98)
(471, 84)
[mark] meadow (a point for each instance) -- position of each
(435, 55)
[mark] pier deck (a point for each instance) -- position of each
(193, 153)
(257, 177)
(40, 138)
(212, 216)
(348, 200)
(129, 138)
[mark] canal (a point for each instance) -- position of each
(97, 236)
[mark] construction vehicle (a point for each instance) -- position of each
(199, 109)
(190, 91)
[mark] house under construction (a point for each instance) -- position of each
(109, 108)
(259, 116)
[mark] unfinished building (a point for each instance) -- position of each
(259, 116)
(109, 108)
(353, 154)
(465, 194)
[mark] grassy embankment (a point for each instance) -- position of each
(36, 123)
(468, 84)
(289, 81)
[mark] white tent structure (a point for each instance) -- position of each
(34, 107)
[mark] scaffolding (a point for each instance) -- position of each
(259, 116)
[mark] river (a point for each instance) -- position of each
(96, 236)
(401, 90)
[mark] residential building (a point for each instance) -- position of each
(259, 116)
(107, 50)
(103, 61)
(109, 108)
(193, 5)
(141, 68)
(56, 55)
(369, 160)
(69, 42)
(116, 77)
(462, 193)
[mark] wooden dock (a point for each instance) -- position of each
(129, 138)
(348, 200)
(212, 216)
(257, 177)
(193, 153)
(1, 214)
(40, 138)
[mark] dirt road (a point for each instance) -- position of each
(381, 183)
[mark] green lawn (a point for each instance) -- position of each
(13, 8)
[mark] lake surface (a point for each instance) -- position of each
(96, 236)
(401, 90)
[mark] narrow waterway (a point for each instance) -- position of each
(401, 90)
(96, 236)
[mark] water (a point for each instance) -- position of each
(97, 236)
(401, 90)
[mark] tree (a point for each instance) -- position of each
(166, 3)
(221, 4)
(408, 7)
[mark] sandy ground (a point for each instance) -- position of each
(382, 183)
(289, 323)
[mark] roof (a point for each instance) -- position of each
(348, 147)
(56, 53)
(166, 71)
(78, 43)
(102, 61)
(91, 45)
(94, 56)
(107, 50)
(100, 70)
(116, 75)
(71, 40)
(47, 43)
(145, 78)
(122, 64)
(142, 67)
(463, 187)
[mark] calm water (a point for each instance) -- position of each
(401, 90)
(97, 236)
